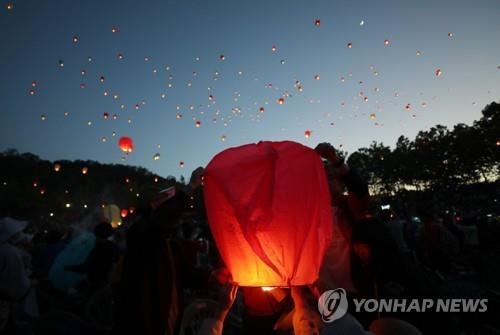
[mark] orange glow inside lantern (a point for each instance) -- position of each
(269, 211)
(111, 214)
(126, 144)
(124, 212)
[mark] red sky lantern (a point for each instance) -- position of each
(269, 211)
(126, 144)
(124, 212)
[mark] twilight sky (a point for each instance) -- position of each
(186, 79)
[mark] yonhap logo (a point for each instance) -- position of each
(332, 305)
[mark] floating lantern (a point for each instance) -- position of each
(111, 214)
(269, 212)
(124, 212)
(126, 144)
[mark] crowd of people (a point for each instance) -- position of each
(162, 273)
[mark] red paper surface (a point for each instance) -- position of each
(269, 210)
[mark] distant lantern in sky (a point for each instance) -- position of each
(222, 57)
(223, 138)
(126, 144)
(349, 45)
(419, 53)
(43, 117)
(262, 110)
(450, 34)
(372, 116)
(57, 167)
(85, 170)
(114, 29)
(76, 39)
(317, 22)
(61, 63)
(281, 101)
(198, 124)
(317, 77)
(101, 79)
(387, 42)
(181, 164)
(124, 212)
(105, 115)
(307, 133)
(156, 156)
(120, 56)
(274, 48)
(10, 6)
(438, 72)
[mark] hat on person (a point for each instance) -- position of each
(9, 227)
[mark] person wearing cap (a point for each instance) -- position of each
(17, 298)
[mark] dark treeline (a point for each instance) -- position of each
(440, 167)
(67, 191)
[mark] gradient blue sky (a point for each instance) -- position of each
(172, 66)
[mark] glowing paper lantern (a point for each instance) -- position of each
(124, 212)
(112, 214)
(269, 211)
(126, 144)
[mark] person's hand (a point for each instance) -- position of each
(227, 296)
(327, 151)
(305, 320)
